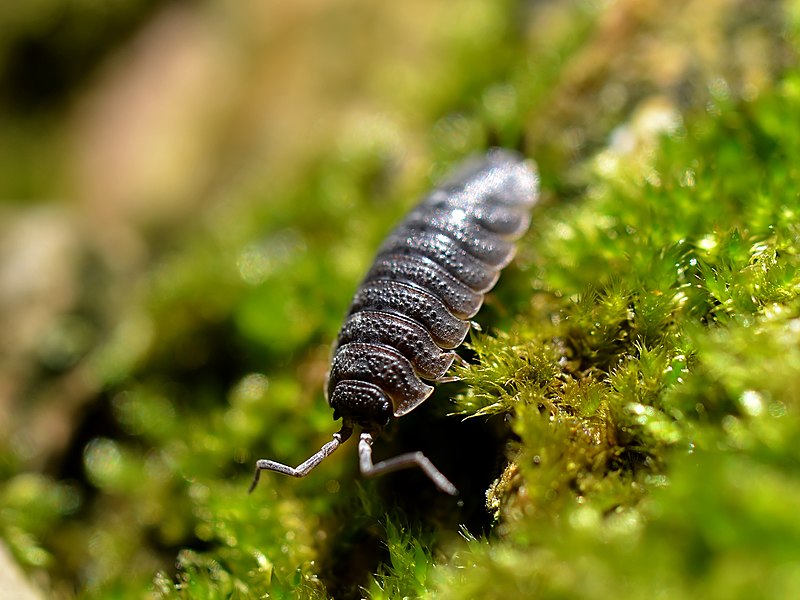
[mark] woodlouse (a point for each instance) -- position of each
(414, 305)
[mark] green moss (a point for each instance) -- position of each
(661, 456)
(407, 572)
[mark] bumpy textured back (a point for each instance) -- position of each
(429, 277)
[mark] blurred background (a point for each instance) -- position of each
(191, 190)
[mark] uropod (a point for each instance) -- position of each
(413, 307)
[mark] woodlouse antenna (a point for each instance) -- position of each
(404, 461)
(304, 468)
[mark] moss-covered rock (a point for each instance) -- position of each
(627, 424)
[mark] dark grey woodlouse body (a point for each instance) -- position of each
(414, 305)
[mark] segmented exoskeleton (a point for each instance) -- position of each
(414, 305)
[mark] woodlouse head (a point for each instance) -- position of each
(360, 402)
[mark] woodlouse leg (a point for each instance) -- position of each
(461, 362)
(304, 468)
(404, 461)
